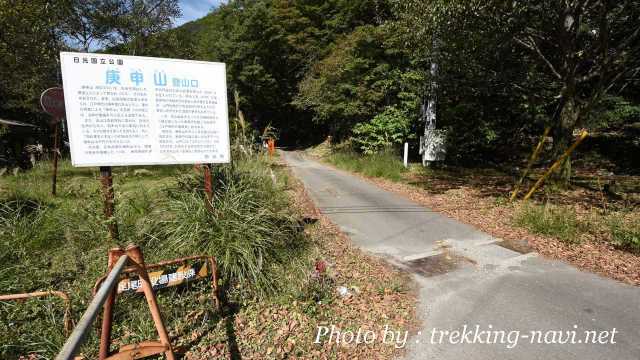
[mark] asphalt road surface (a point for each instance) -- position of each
(478, 300)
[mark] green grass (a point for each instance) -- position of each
(385, 165)
(61, 243)
(621, 228)
(556, 221)
(625, 234)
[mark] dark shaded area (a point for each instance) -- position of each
(229, 310)
(13, 143)
(618, 152)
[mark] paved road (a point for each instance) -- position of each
(508, 301)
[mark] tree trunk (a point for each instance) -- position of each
(562, 139)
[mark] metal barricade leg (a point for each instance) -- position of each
(107, 311)
(134, 253)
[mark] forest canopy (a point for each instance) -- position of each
(310, 68)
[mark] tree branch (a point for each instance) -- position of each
(531, 45)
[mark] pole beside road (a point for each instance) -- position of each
(406, 155)
(52, 102)
(106, 178)
(556, 165)
(56, 151)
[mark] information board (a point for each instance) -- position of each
(131, 110)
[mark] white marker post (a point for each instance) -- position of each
(406, 154)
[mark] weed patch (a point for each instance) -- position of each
(385, 165)
(61, 243)
(550, 220)
(625, 234)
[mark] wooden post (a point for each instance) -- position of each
(271, 143)
(106, 179)
(134, 253)
(553, 167)
(55, 157)
(107, 310)
(532, 159)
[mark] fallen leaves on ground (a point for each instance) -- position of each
(378, 295)
(471, 206)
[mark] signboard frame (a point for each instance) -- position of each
(115, 160)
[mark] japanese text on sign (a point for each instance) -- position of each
(126, 110)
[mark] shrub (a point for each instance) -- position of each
(61, 243)
(250, 231)
(32, 326)
(385, 130)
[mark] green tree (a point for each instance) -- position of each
(555, 60)
(29, 46)
(587, 48)
(486, 93)
(361, 76)
(386, 130)
(269, 47)
(86, 23)
(136, 20)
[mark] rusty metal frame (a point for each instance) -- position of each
(145, 348)
(67, 303)
(106, 296)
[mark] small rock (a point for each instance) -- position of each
(343, 291)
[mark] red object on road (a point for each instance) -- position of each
(321, 266)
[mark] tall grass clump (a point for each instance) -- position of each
(61, 243)
(251, 230)
(25, 227)
(384, 164)
(625, 233)
(550, 220)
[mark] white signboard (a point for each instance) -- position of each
(131, 110)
